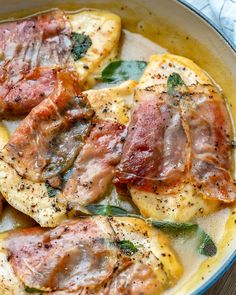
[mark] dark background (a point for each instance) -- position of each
(226, 285)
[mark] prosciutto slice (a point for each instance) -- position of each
(94, 168)
(138, 278)
(155, 154)
(29, 92)
(26, 46)
(177, 139)
(210, 134)
(49, 139)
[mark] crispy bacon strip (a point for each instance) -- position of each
(26, 46)
(77, 254)
(94, 168)
(155, 153)
(177, 139)
(51, 136)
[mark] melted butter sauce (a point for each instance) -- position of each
(140, 39)
(12, 218)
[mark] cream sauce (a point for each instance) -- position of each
(11, 125)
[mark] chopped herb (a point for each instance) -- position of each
(52, 192)
(118, 71)
(106, 210)
(173, 81)
(175, 228)
(127, 246)
(32, 290)
(80, 45)
(207, 247)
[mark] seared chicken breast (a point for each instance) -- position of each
(178, 151)
(45, 145)
(33, 49)
(89, 255)
(3, 140)
(113, 103)
(60, 159)
(103, 29)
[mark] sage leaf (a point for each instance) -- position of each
(127, 247)
(80, 45)
(106, 210)
(52, 192)
(32, 290)
(174, 80)
(120, 70)
(207, 247)
(174, 228)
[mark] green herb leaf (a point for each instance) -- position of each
(127, 246)
(174, 228)
(32, 290)
(80, 45)
(207, 247)
(66, 175)
(52, 192)
(118, 71)
(106, 210)
(173, 81)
